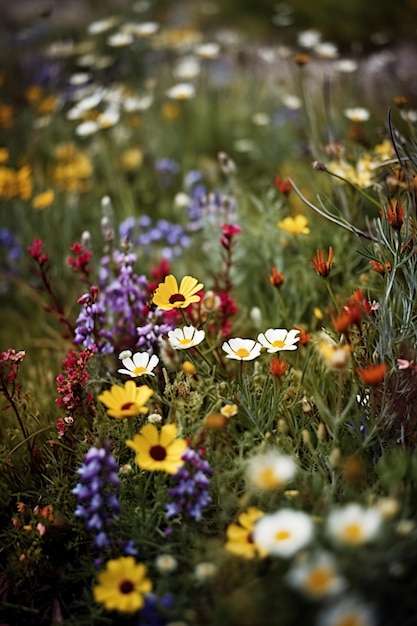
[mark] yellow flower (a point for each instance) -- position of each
(126, 401)
(158, 451)
(295, 225)
(43, 200)
(240, 536)
(169, 296)
(4, 155)
(122, 585)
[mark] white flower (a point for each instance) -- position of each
(357, 114)
(326, 49)
(346, 66)
(316, 576)
(291, 102)
(349, 610)
(270, 470)
(208, 50)
(242, 349)
(186, 337)
(283, 533)
(308, 38)
(354, 524)
(109, 118)
(139, 364)
(165, 563)
(101, 26)
(154, 418)
(120, 40)
(276, 339)
(204, 571)
(125, 354)
(85, 129)
(187, 68)
(181, 91)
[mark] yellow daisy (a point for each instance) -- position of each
(126, 401)
(158, 451)
(297, 225)
(169, 296)
(122, 585)
(240, 536)
(43, 200)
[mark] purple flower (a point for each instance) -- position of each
(189, 496)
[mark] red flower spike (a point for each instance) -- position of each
(323, 268)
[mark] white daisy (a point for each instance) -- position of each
(270, 470)
(276, 339)
(242, 349)
(349, 610)
(354, 524)
(186, 337)
(357, 114)
(139, 364)
(316, 576)
(283, 533)
(181, 91)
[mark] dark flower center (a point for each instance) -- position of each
(249, 538)
(158, 453)
(126, 406)
(176, 297)
(126, 586)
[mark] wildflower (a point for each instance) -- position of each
(395, 215)
(283, 533)
(276, 339)
(154, 418)
(211, 302)
(357, 114)
(242, 349)
(229, 231)
(126, 401)
(122, 585)
(276, 278)
(348, 611)
(125, 354)
(323, 268)
(139, 364)
(317, 576)
(169, 296)
(352, 312)
(166, 564)
(240, 539)
(189, 368)
(205, 570)
(270, 470)
(335, 356)
(98, 502)
(284, 186)
(297, 225)
(229, 410)
(181, 91)
(277, 367)
(215, 421)
(354, 524)
(158, 451)
(43, 200)
(404, 364)
(190, 496)
(304, 336)
(186, 337)
(373, 374)
(380, 268)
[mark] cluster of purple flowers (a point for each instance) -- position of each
(169, 238)
(89, 325)
(152, 331)
(96, 491)
(190, 494)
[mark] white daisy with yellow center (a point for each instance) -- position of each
(270, 470)
(242, 349)
(316, 576)
(276, 339)
(354, 524)
(181, 91)
(349, 611)
(283, 533)
(138, 364)
(186, 337)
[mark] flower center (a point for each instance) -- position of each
(249, 538)
(127, 406)
(139, 370)
(282, 535)
(267, 479)
(242, 353)
(350, 620)
(319, 580)
(126, 586)
(158, 453)
(185, 341)
(353, 533)
(176, 297)
(278, 343)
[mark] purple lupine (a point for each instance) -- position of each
(152, 331)
(96, 492)
(190, 494)
(89, 325)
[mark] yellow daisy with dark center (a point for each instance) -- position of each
(158, 450)
(122, 585)
(169, 295)
(126, 401)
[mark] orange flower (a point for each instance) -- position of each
(323, 268)
(304, 336)
(380, 268)
(284, 186)
(277, 367)
(356, 307)
(373, 374)
(276, 278)
(395, 215)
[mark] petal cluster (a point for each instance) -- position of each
(169, 295)
(158, 450)
(126, 401)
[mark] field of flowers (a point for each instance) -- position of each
(208, 324)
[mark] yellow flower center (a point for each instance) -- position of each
(353, 533)
(282, 535)
(126, 586)
(318, 580)
(242, 353)
(278, 343)
(139, 370)
(158, 453)
(185, 341)
(176, 297)
(351, 620)
(267, 479)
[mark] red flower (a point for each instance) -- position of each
(277, 367)
(380, 268)
(395, 215)
(284, 186)
(352, 313)
(373, 374)
(323, 268)
(276, 278)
